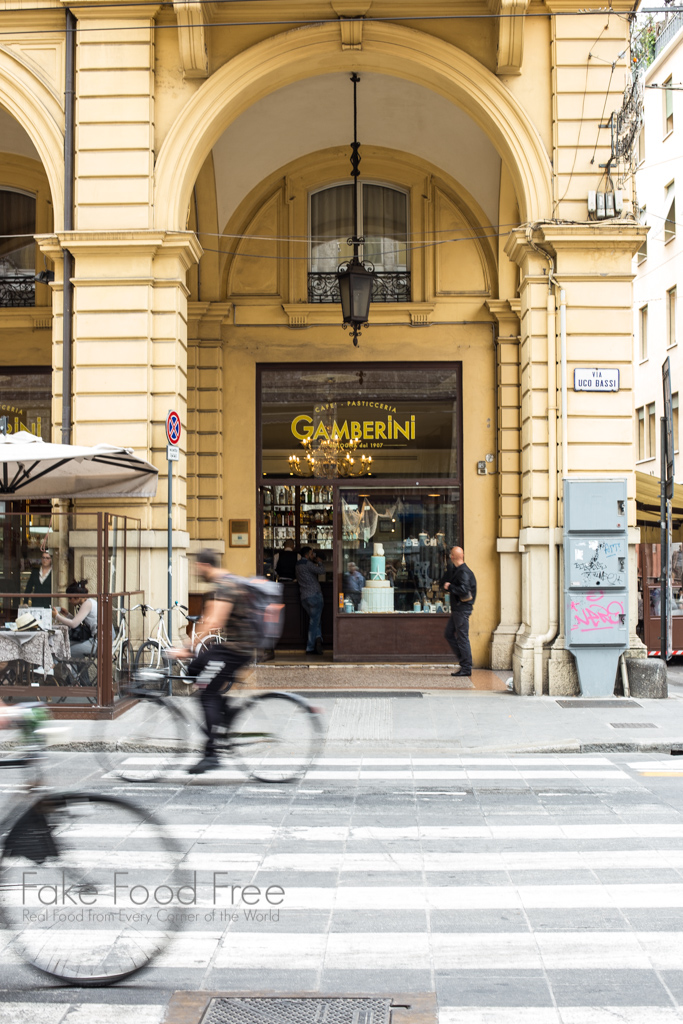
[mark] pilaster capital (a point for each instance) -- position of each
(507, 317)
(205, 319)
(523, 247)
(122, 244)
(587, 249)
(612, 235)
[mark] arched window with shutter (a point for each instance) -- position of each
(17, 248)
(383, 223)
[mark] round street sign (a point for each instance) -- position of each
(173, 428)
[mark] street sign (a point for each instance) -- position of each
(173, 428)
(596, 380)
(172, 453)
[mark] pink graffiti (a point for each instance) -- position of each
(594, 615)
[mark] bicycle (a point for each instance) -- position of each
(63, 867)
(122, 648)
(273, 736)
(150, 654)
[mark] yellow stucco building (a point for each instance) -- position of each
(211, 205)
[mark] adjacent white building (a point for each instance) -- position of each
(659, 278)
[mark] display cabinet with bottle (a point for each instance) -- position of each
(300, 513)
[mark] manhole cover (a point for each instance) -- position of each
(634, 725)
(298, 1011)
(615, 702)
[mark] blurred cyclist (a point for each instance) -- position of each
(214, 670)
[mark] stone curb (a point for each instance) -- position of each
(452, 750)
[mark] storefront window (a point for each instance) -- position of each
(407, 418)
(394, 548)
(26, 399)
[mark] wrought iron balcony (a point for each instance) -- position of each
(387, 286)
(17, 290)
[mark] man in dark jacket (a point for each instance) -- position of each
(460, 583)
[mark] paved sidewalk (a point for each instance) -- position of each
(448, 722)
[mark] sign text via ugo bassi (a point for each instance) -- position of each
(596, 380)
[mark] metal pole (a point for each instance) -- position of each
(170, 551)
(355, 170)
(68, 264)
(563, 382)
(663, 552)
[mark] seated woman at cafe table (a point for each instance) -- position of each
(40, 581)
(84, 615)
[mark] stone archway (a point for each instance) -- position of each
(38, 111)
(316, 50)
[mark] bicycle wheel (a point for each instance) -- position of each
(153, 745)
(123, 663)
(149, 656)
(112, 891)
(275, 737)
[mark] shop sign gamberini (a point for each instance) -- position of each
(407, 418)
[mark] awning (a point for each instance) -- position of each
(648, 509)
(33, 468)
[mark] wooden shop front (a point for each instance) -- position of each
(383, 528)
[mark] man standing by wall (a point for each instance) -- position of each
(459, 582)
(308, 569)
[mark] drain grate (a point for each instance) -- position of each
(614, 703)
(633, 725)
(298, 1011)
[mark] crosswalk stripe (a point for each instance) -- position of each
(262, 950)
(559, 1015)
(376, 951)
(422, 762)
(429, 861)
(484, 897)
(379, 833)
(79, 1013)
(394, 862)
(361, 774)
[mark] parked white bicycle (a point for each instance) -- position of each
(122, 649)
(150, 655)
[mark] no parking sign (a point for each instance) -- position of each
(173, 428)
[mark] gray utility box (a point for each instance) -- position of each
(596, 580)
(595, 561)
(594, 506)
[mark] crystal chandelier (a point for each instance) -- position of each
(327, 459)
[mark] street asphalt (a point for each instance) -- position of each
(426, 852)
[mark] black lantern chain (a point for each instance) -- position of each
(355, 276)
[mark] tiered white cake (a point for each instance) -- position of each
(378, 594)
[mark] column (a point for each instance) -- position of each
(592, 263)
(114, 116)
(205, 424)
(130, 366)
(507, 314)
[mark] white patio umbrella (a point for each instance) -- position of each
(33, 468)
